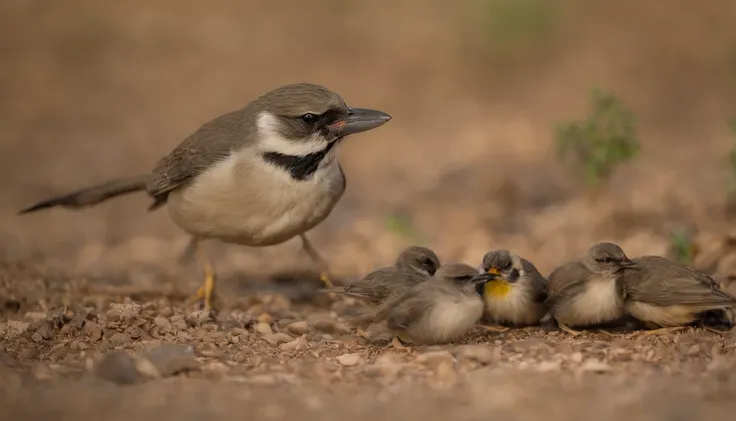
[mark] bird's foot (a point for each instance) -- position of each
(494, 328)
(325, 278)
(569, 330)
(205, 293)
(660, 331)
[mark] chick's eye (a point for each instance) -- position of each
(606, 260)
(309, 118)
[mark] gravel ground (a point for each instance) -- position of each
(122, 355)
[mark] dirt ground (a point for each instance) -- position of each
(92, 317)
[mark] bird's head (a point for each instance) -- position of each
(503, 263)
(304, 118)
(606, 258)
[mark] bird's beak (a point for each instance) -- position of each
(494, 271)
(482, 278)
(360, 120)
(627, 263)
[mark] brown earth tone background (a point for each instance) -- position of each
(94, 90)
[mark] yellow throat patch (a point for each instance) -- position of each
(497, 289)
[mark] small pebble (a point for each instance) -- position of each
(263, 328)
(172, 359)
(119, 338)
(596, 366)
(199, 318)
(277, 338)
(118, 367)
(481, 354)
(123, 312)
(298, 328)
(349, 360)
(297, 344)
(93, 331)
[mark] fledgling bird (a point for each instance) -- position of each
(669, 295)
(517, 297)
(589, 291)
(414, 264)
(440, 310)
(258, 176)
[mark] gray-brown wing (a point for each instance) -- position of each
(213, 142)
(662, 282)
(411, 307)
(375, 286)
(566, 280)
(537, 282)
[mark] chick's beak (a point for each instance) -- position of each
(360, 120)
(628, 263)
(482, 278)
(494, 271)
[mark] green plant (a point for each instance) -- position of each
(682, 248)
(605, 138)
(402, 226)
(732, 155)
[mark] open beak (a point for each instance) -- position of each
(494, 271)
(482, 278)
(360, 120)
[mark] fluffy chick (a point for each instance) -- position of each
(517, 297)
(589, 291)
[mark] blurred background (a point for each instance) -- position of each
(478, 90)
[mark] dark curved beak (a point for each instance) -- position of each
(483, 277)
(361, 120)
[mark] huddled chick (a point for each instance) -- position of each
(420, 301)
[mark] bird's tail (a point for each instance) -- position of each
(91, 196)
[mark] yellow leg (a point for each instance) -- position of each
(318, 260)
(206, 292)
(661, 331)
(569, 330)
(494, 328)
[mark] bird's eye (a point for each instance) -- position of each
(309, 118)
(508, 266)
(606, 260)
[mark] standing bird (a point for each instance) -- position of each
(670, 295)
(438, 311)
(589, 291)
(517, 297)
(258, 176)
(414, 265)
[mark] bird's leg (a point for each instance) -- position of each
(206, 292)
(318, 260)
(660, 331)
(494, 328)
(605, 332)
(569, 330)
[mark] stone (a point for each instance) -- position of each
(350, 360)
(172, 359)
(120, 368)
(277, 338)
(298, 344)
(263, 328)
(298, 328)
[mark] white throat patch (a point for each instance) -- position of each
(271, 139)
